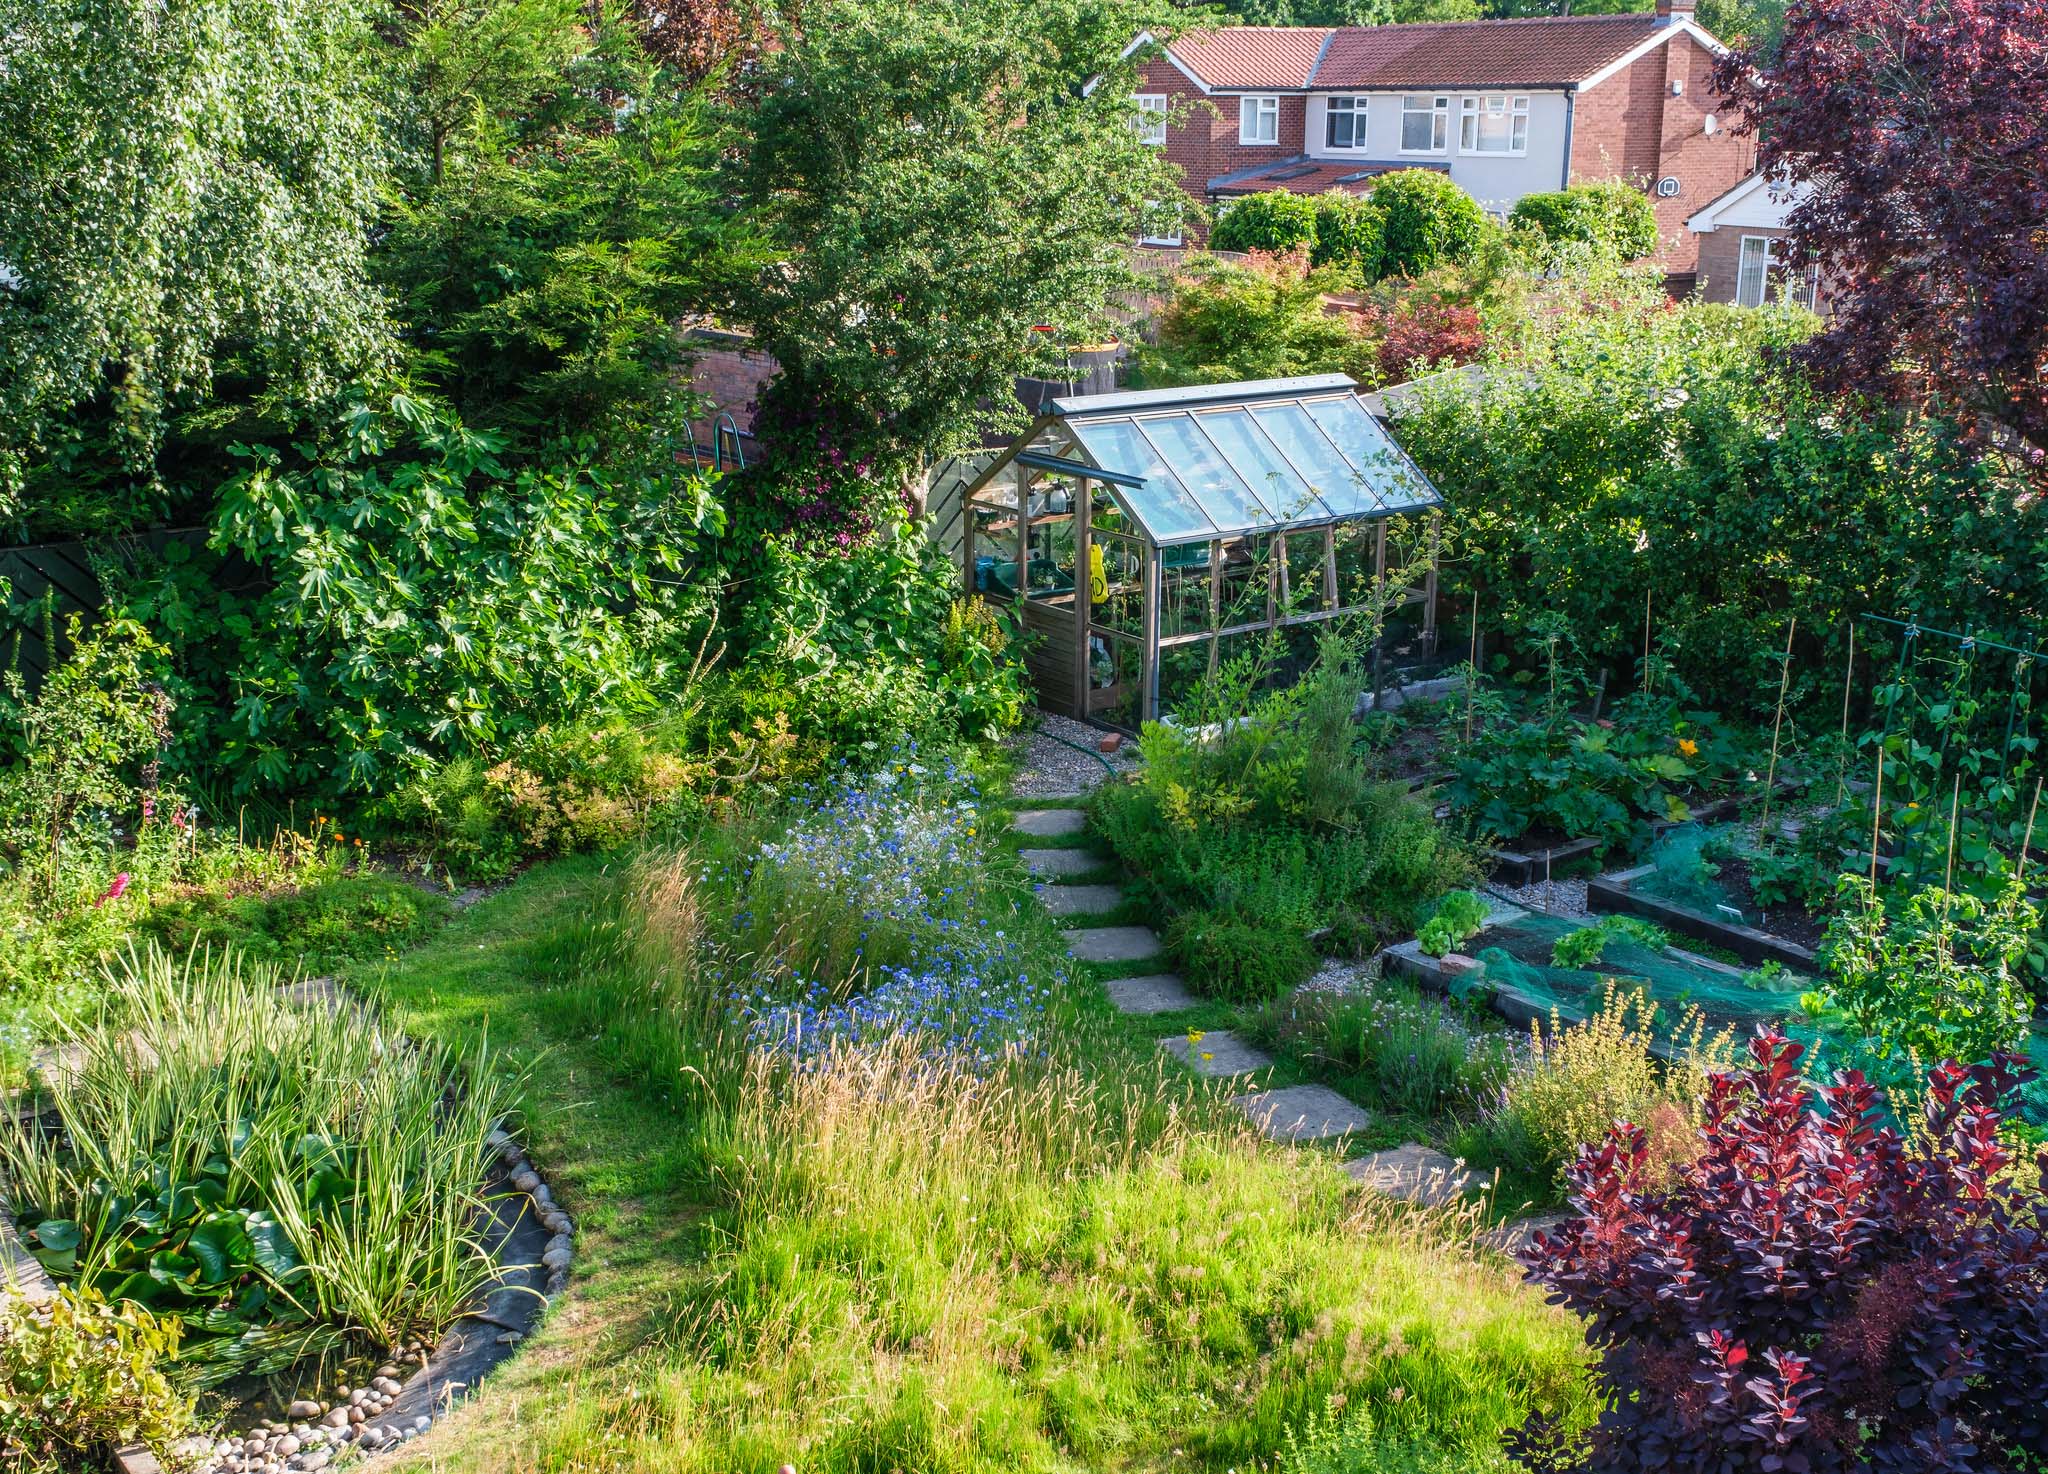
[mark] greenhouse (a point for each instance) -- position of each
(1204, 517)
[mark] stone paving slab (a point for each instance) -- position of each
(1217, 1053)
(1081, 900)
(1302, 1113)
(1051, 863)
(1112, 943)
(1512, 1238)
(1412, 1171)
(1159, 992)
(1050, 823)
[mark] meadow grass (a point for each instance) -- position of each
(884, 1257)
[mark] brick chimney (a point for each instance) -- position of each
(1669, 11)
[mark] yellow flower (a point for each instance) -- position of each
(1688, 748)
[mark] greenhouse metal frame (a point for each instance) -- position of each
(1199, 516)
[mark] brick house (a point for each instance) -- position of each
(1505, 107)
(1739, 243)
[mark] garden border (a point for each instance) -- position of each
(1616, 893)
(1513, 867)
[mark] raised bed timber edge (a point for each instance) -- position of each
(1617, 893)
(1512, 867)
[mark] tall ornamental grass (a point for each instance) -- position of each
(275, 1141)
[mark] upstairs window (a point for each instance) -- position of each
(1495, 125)
(1258, 120)
(1344, 125)
(1151, 119)
(1425, 125)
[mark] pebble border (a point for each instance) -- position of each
(315, 1434)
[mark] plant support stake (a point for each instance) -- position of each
(1777, 722)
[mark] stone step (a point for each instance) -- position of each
(1112, 943)
(1050, 823)
(1216, 1052)
(1302, 1113)
(1159, 992)
(1081, 900)
(1056, 863)
(1412, 1171)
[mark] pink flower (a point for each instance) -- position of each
(148, 808)
(115, 891)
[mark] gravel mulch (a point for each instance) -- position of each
(1049, 769)
(1565, 898)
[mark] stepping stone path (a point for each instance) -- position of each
(1302, 1113)
(1050, 823)
(1080, 900)
(1159, 992)
(1056, 863)
(1112, 943)
(1412, 1171)
(1299, 1113)
(1217, 1053)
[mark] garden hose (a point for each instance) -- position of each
(1054, 736)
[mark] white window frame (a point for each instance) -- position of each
(1253, 109)
(1753, 279)
(1359, 107)
(1437, 108)
(1512, 108)
(1151, 119)
(1155, 211)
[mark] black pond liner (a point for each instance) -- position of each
(494, 1328)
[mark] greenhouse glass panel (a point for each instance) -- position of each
(1360, 437)
(1343, 490)
(1231, 504)
(1262, 467)
(1162, 503)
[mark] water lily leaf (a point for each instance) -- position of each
(222, 1247)
(57, 1233)
(272, 1250)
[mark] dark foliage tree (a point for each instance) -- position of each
(1920, 130)
(1814, 1295)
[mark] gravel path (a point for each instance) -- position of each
(1049, 769)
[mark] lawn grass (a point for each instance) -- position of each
(1083, 1261)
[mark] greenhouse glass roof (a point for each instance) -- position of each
(1224, 460)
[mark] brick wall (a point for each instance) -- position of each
(1204, 141)
(1632, 127)
(1720, 254)
(726, 374)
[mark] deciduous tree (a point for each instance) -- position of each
(1919, 129)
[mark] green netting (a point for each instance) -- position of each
(1682, 874)
(1518, 959)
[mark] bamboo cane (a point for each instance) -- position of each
(1777, 723)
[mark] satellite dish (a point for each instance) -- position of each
(1667, 187)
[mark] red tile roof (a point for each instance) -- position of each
(1252, 56)
(1536, 51)
(1491, 53)
(1302, 178)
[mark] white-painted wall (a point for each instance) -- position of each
(1495, 180)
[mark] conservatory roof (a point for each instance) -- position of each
(1223, 460)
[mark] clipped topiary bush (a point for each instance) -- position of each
(1351, 231)
(1429, 221)
(1613, 215)
(1235, 960)
(1275, 221)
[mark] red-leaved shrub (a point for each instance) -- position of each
(1810, 1296)
(1424, 330)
